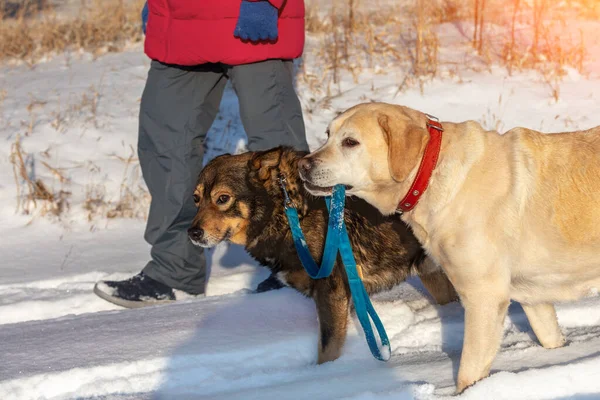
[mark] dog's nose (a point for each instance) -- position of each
(196, 234)
(305, 164)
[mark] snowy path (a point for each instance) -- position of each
(59, 341)
(56, 276)
(263, 346)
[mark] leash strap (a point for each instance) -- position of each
(332, 240)
(362, 303)
(337, 240)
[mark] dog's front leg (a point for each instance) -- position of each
(331, 299)
(486, 304)
(543, 321)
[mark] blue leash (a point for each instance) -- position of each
(337, 240)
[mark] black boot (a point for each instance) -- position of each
(137, 291)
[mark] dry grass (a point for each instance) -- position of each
(33, 195)
(83, 110)
(353, 39)
(449, 11)
(405, 36)
(36, 196)
(133, 201)
(546, 47)
(354, 35)
(588, 9)
(33, 29)
(426, 44)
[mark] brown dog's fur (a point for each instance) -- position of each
(253, 216)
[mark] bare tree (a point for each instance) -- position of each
(478, 14)
(539, 7)
(512, 36)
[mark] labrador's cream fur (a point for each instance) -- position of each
(513, 216)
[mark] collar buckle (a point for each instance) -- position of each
(287, 203)
(434, 122)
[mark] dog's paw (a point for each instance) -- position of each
(554, 343)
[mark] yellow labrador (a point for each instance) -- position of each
(513, 216)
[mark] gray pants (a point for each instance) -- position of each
(178, 107)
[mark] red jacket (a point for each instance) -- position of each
(192, 32)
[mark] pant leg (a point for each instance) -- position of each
(269, 106)
(179, 104)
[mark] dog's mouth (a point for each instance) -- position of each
(322, 190)
(204, 243)
(317, 189)
(208, 242)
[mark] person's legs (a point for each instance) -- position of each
(269, 106)
(178, 107)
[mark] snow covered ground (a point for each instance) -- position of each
(59, 341)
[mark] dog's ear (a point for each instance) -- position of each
(405, 143)
(263, 163)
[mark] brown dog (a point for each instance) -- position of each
(513, 216)
(240, 200)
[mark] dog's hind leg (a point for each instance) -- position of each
(543, 321)
(486, 305)
(439, 286)
(332, 301)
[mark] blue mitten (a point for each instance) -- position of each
(144, 17)
(257, 21)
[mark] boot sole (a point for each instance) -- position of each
(128, 303)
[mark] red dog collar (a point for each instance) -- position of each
(428, 163)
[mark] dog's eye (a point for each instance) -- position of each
(349, 142)
(196, 198)
(222, 199)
